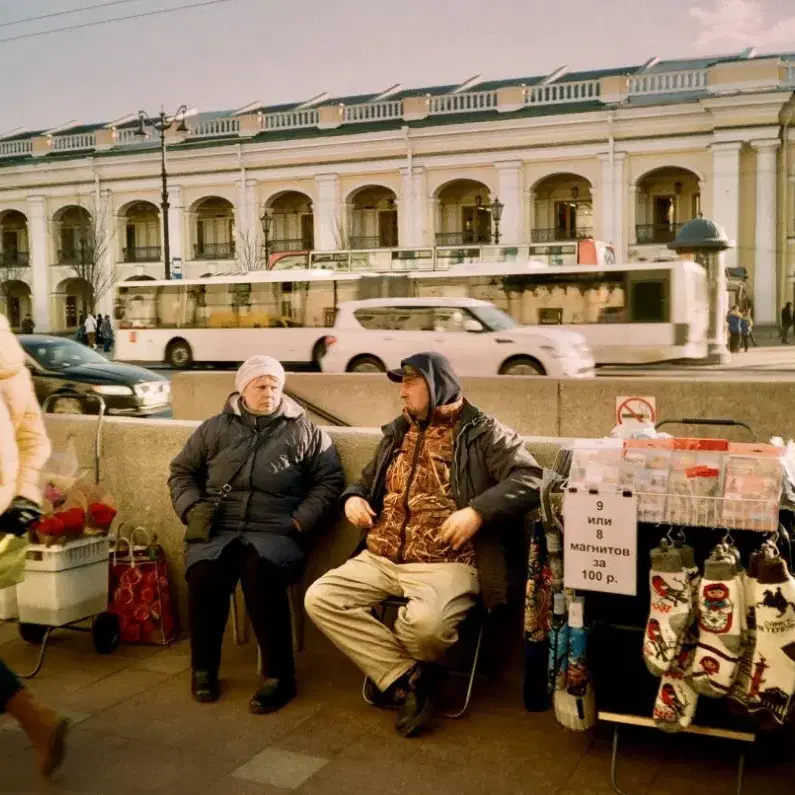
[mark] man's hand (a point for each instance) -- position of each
(359, 513)
(461, 527)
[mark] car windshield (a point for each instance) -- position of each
(493, 318)
(61, 354)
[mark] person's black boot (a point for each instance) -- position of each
(417, 709)
(205, 686)
(272, 694)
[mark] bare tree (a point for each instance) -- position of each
(342, 235)
(87, 252)
(250, 251)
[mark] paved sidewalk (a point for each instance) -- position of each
(773, 360)
(137, 730)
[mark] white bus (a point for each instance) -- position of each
(629, 314)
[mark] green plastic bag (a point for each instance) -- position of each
(12, 559)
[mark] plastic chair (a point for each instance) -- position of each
(297, 621)
(478, 612)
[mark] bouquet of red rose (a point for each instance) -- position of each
(59, 527)
(83, 510)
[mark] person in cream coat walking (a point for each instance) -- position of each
(24, 448)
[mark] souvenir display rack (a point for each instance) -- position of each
(704, 491)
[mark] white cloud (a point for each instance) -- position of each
(736, 24)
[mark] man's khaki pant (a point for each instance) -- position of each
(439, 594)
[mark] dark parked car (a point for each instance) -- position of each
(64, 367)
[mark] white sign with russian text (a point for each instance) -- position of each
(601, 542)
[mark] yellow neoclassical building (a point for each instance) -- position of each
(622, 155)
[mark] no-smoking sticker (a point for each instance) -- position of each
(636, 410)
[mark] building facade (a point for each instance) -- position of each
(622, 155)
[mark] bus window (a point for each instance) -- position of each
(550, 317)
(564, 298)
(319, 301)
(562, 254)
(293, 304)
(462, 286)
(219, 309)
(170, 306)
(649, 300)
(138, 307)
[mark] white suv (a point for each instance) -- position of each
(374, 335)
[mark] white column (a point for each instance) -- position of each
(434, 219)
(38, 242)
(328, 213)
(176, 213)
(249, 236)
(510, 190)
(632, 222)
(790, 220)
(344, 231)
(529, 214)
(726, 193)
(421, 235)
(406, 226)
(619, 237)
(242, 211)
(604, 193)
(765, 282)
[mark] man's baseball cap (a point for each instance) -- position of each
(404, 371)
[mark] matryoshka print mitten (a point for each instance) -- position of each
(721, 607)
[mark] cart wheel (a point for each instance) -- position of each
(106, 633)
(33, 633)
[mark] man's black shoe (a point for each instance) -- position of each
(205, 686)
(391, 698)
(272, 694)
(417, 709)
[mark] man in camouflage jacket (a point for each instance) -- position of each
(446, 480)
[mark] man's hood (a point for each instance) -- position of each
(443, 383)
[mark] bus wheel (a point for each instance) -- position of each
(366, 364)
(179, 355)
(522, 365)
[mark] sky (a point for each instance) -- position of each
(234, 52)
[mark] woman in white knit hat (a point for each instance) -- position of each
(251, 484)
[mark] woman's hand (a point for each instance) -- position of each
(359, 513)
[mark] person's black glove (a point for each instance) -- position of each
(19, 516)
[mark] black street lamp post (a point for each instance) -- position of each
(267, 221)
(496, 214)
(160, 124)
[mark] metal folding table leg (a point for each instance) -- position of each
(42, 650)
(614, 766)
(740, 772)
(614, 762)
